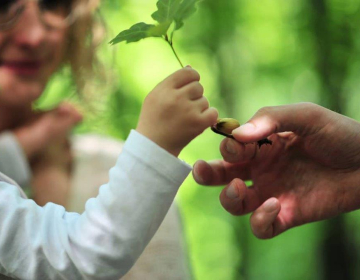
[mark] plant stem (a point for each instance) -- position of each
(172, 47)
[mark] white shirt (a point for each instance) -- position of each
(103, 242)
(13, 161)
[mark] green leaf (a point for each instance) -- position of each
(167, 10)
(185, 10)
(137, 32)
(160, 29)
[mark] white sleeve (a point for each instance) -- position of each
(13, 161)
(103, 242)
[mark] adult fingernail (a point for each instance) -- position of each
(230, 147)
(270, 205)
(247, 128)
(232, 192)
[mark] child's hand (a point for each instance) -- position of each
(46, 128)
(176, 111)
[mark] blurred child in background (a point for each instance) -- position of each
(36, 38)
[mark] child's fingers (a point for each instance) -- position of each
(210, 116)
(67, 110)
(201, 104)
(183, 77)
(193, 90)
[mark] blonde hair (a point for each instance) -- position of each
(86, 34)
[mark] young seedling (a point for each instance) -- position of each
(170, 17)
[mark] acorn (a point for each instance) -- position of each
(225, 126)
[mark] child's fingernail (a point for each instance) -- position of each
(230, 147)
(247, 128)
(232, 192)
(270, 205)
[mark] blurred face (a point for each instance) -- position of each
(30, 49)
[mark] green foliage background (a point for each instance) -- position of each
(250, 54)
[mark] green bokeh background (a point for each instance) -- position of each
(250, 54)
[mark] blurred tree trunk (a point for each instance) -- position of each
(222, 24)
(333, 44)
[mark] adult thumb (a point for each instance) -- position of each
(300, 118)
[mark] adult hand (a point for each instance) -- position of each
(311, 171)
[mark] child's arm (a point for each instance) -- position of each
(105, 241)
(13, 161)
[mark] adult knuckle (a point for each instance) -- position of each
(257, 221)
(311, 110)
(258, 234)
(233, 209)
(265, 110)
(308, 105)
(229, 157)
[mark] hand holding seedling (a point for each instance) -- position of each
(310, 173)
(170, 17)
(176, 111)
